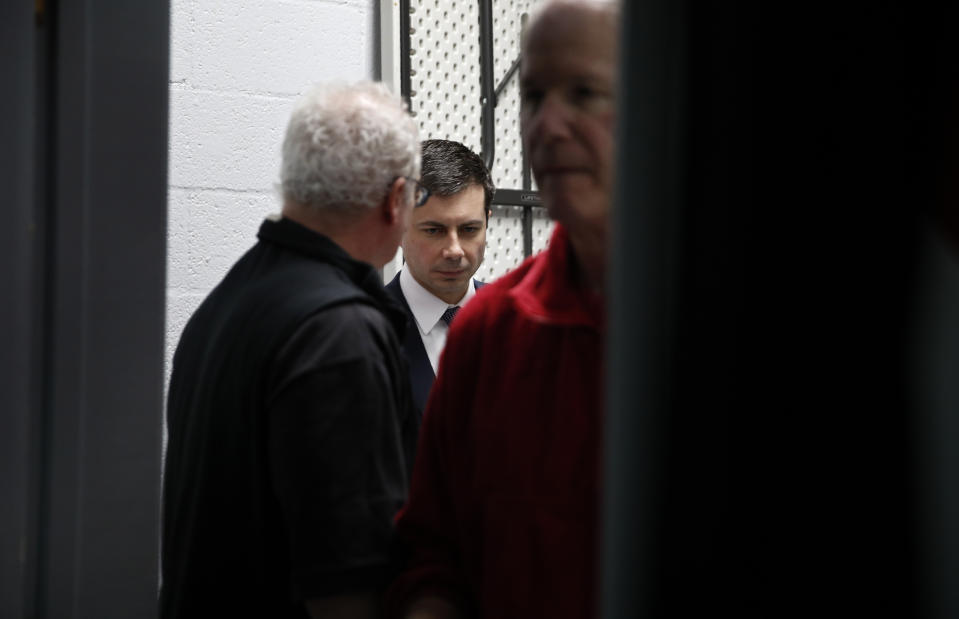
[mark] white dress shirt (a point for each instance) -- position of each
(427, 310)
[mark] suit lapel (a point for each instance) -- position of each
(421, 372)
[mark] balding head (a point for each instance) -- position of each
(567, 84)
(609, 9)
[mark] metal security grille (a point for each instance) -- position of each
(433, 52)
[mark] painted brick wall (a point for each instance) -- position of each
(236, 68)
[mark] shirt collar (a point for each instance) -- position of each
(426, 307)
(295, 237)
(549, 291)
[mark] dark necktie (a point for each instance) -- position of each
(449, 314)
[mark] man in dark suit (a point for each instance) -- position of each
(442, 247)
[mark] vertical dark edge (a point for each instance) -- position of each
(934, 400)
(126, 296)
(934, 362)
(527, 210)
(527, 177)
(643, 274)
(55, 540)
(405, 52)
(488, 83)
(17, 241)
(376, 43)
(527, 171)
(43, 87)
(105, 278)
(527, 231)
(40, 287)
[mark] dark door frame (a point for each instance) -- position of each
(83, 157)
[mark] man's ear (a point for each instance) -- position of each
(394, 201)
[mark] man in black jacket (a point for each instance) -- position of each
(291, 426)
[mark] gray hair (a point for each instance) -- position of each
(345, 144)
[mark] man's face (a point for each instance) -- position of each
(445, 242)
(567, 110)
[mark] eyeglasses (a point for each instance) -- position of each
(420, 193)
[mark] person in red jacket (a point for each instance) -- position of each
(502, 519)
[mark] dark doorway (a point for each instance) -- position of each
(83, 160)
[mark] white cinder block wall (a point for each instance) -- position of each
(236, 68)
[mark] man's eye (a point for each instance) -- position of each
(530, 98)
(430, 231)
(583, 93)
(470, 229)
(589, 97)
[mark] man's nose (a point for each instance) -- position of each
(551, 119)
(452, 250)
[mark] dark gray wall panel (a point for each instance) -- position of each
(84, 162)
(108, 309)
(17, 245)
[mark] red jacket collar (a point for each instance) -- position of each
(549, 291)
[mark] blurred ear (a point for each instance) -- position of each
(395, 201)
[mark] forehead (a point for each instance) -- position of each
(467, 205)
(568, 39)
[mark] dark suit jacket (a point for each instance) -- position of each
(421, 372)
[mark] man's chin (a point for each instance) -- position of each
(570, 206)
(450, 285)
(458, 276)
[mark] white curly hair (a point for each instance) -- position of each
(345, 144)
